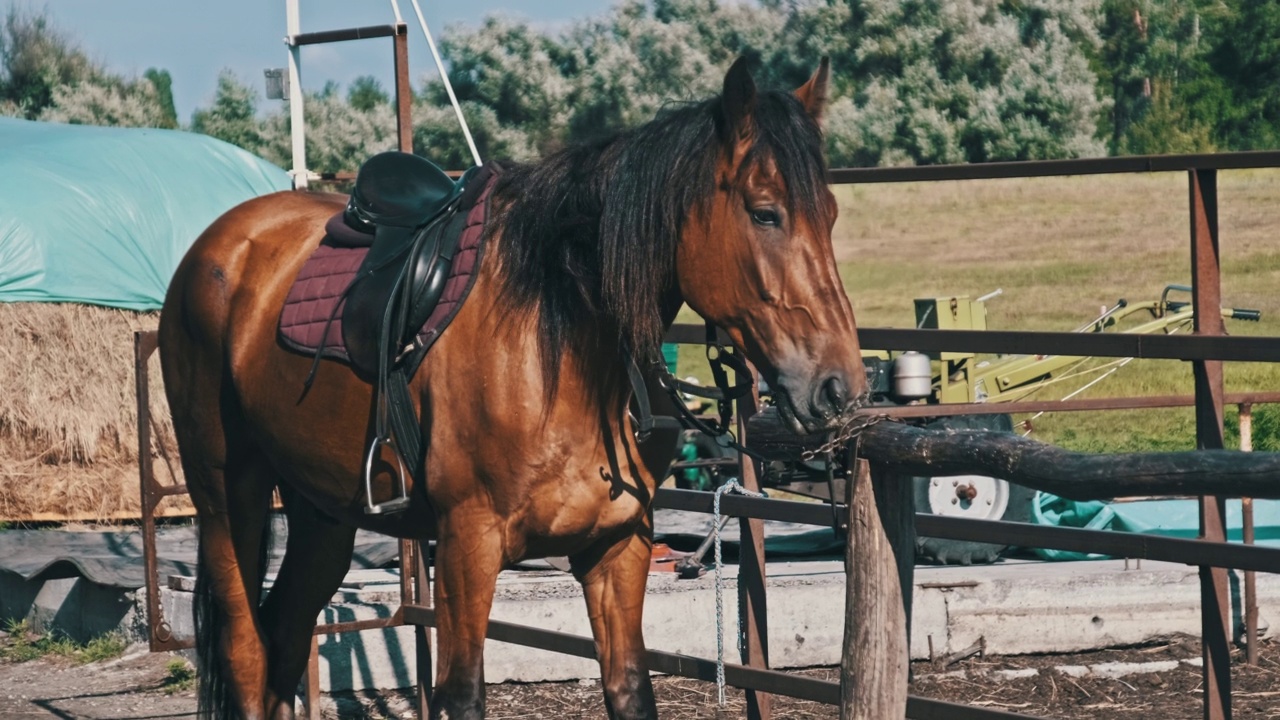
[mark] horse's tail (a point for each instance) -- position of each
(214, 700)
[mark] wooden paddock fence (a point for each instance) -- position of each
(878, 509)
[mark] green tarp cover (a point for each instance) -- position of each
(103, 215)
(1173, 518)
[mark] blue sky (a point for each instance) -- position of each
(195, 40)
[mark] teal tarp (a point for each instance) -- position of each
(103, 215)
(1173, 518)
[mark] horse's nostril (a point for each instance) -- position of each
(836, 393)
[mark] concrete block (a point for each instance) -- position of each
(74, 606)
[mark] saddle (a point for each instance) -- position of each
(410, 212)
(401, 232)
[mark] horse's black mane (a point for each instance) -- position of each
(589, 234)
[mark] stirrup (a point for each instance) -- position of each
(396, 504)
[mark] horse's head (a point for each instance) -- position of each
(759, 263)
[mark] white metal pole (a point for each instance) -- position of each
(297, 120)
(457, 109)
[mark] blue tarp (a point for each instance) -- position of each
(1173, 518)
(103, 215)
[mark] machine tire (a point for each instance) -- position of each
(1016, 499)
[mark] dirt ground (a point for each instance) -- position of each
(131, 688)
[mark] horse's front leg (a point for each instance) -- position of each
(613, 579)
(469, 556)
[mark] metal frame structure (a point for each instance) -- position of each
(296, 40)
(1207, 348)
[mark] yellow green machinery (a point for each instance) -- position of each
(960, 377)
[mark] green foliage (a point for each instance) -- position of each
(25, 644)
(232, 116)
(914, 81)
(366, 93)
(338, 135)
(179, 676)
(163, 84)
(43, 76)
(1245, 54)
(35, 60)
(1191, 75)
(119, 104)
(1166, 127)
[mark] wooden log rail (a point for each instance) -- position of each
(1077, 476)
(880, 546)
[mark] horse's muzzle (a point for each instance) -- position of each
(821, 405)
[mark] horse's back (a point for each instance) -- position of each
(254, 248)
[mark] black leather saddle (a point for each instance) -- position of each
(411, 216)
(412, 210)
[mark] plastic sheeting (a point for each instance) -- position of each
(103, 215)
(1173, 518)
(114, 558)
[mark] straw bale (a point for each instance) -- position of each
(68, 413)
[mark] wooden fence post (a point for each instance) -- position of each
(874, 663)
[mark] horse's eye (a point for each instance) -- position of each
(765, 216)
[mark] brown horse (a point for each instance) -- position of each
(720, 204)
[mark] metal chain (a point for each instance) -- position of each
(731, 486)
(841, 437)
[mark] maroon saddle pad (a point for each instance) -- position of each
(311, 320)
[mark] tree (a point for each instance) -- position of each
(338, 135)
(961, 80)
(1245, 54)
(35, 59)
(232, 115)
(519, 74)
(114, 104)
(163, 84)
(437, 136)
(366, 93)
(44, 76)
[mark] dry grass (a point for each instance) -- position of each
(68, 413)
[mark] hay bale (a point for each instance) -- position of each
(68, 413)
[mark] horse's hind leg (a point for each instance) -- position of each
(316, 558)
(230, 484)
(233, 505)
(613, 578)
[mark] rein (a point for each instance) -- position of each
(724, 394)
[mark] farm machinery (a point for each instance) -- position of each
(911, 377)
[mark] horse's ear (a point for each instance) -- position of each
(813, 94)
(738, 102)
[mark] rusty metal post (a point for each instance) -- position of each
(422, 633)
(311, 683)
(1206, 280)
(144, 344)
(1250, 576)
(404, 94)
(752, 608)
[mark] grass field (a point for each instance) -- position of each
(1060, 249)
